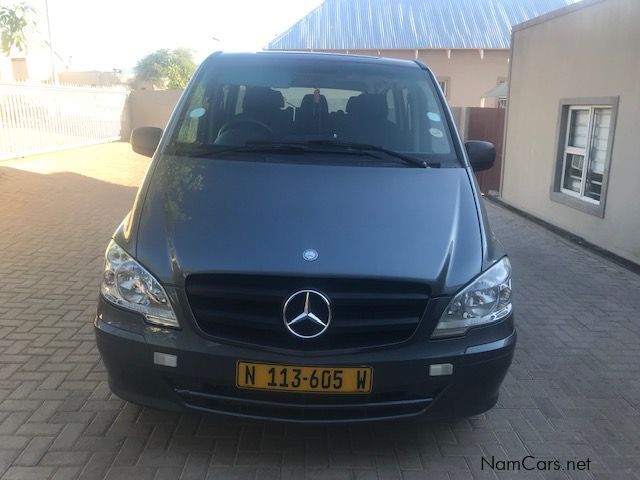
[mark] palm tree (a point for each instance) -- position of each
(15, 23)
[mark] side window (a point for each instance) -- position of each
(195, 112)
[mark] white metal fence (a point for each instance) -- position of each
(43, 118)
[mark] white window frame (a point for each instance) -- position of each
(584, 152)
(563, 195)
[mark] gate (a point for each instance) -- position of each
(43, 118)
(488, 124)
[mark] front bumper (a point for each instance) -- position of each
(204, 378)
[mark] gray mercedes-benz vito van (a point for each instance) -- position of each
(309, 244)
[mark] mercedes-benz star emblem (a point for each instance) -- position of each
(307, 314)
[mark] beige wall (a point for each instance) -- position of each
(93, 78)
(469, 75)
(152, 108)
(20, 69)
(591, 52)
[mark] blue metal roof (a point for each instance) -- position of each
(411, 24)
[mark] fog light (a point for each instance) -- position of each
(439, 369)
(165, 359)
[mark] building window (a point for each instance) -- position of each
(585, 151)
(444, 86)
(585, 143)
(502, 99)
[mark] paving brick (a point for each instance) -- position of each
(10, 442)
(68, 436)
(34, 451)
(224, 452)
(328, 474)
(65, 458)
(191, 443)
(196, 466)
(297, 473)
(259, 458)
(66, 473)
(231, 473)
(6, 459)
(128, 473)
(40, 428)
(97, 466)
(161, 458)
(413, 475)
(28, 473)
(129, 452)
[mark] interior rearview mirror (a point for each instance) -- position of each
(144, 140)
(481, 154)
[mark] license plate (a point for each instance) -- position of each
(298, 378)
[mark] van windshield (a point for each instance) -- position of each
(258, 99)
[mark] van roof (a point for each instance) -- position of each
(318, 57)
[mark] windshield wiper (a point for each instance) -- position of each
(343, 148)
(212, 150)
(314, 146)
(206, 150)
(414, 161)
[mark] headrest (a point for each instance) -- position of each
(351, 104)
(262, 98)
(307, 102)
(368, 104)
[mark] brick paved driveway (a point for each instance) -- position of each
(573, 391)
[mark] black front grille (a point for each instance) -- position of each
(248, 308)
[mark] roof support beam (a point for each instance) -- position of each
(481, 53)
(416, 53)
(449, 53)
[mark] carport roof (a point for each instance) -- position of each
(502, 90)
(411, 24)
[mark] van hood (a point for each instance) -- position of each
(237, 216)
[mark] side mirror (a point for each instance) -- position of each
(144, 140)
(482, 155)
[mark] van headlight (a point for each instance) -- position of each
(128, 284)
(487, 299)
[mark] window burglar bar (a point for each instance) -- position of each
(585, 151)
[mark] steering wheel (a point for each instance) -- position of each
(235, 124)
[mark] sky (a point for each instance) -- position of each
(103, 35)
